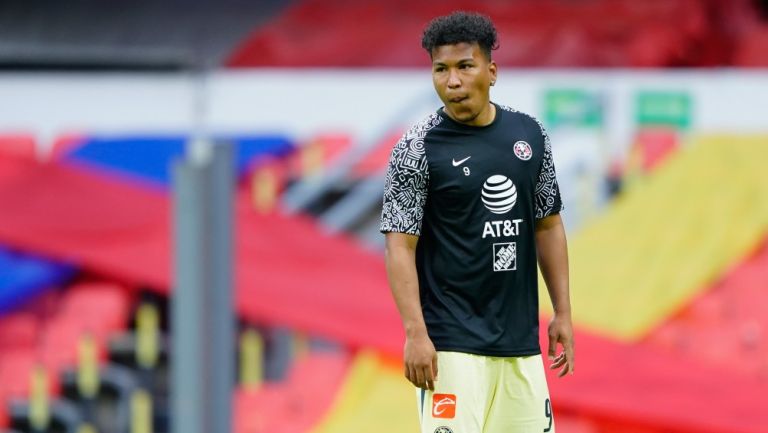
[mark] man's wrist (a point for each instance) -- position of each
(415, 330)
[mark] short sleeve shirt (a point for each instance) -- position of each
(473, 195)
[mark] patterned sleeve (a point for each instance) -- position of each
(405, 188)
(547, 192)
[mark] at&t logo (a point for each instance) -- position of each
(499, 194)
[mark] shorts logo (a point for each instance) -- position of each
(523, 150)
(504, 257)
(443, 429)
(444, 406)
(499, 194)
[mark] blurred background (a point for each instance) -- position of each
(190, 194)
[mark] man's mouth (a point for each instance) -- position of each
(457, 99)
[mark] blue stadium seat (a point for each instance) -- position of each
(22, 277)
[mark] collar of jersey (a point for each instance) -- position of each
(460, 125)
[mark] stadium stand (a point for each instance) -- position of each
(296, 404)
(143, 202)
(686, 206)
(604, 33)
(725, 325)
(631, 389)
(150, 158)
(48, 334)
(348, 286)
(95, 309)
(371, 394)
(86, 210)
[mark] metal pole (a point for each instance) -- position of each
(221, 316)
(192, 275)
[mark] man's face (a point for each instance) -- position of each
(462, 76)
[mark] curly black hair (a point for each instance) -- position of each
(460, 27)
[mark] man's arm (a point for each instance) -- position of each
(420, 357)
(552, 251)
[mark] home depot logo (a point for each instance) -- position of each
(443, 406)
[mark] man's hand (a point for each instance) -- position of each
(561, 331)
(420, 361)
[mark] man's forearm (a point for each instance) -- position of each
(404, 283)
(552, 251)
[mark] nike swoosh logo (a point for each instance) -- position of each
(458, 163)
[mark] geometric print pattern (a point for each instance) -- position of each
(547, 191)
(407, 180)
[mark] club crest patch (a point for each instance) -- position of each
(523, 150)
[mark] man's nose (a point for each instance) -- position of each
(453, 79)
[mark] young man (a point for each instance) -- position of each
(470, 203)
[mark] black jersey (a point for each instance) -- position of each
(473, 195)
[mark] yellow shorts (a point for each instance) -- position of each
(487, 394)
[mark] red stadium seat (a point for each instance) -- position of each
(61, 340)
(92, 308)
(15, 374)
(18, 330)
(99, 307)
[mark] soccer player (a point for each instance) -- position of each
(471, 202)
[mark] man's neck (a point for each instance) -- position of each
(484, 118)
